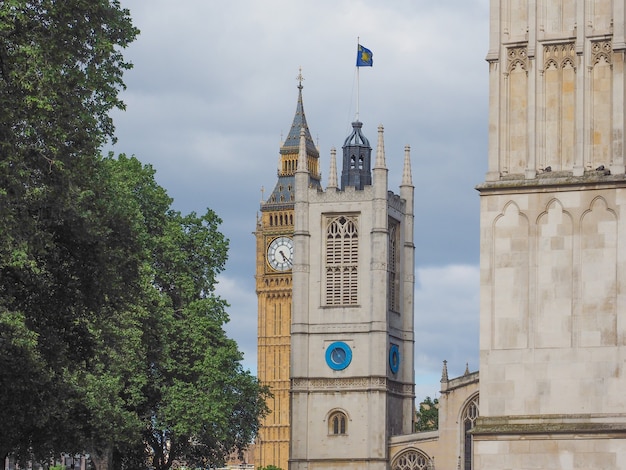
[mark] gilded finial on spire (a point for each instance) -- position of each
(300, 78)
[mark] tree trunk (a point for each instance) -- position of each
(102, 458)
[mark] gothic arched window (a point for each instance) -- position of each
(393, 266)
(412, 460)
(337, 423)
(468, 420)
(342, 256)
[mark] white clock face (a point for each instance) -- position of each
(280, 254)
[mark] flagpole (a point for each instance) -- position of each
(357, 93)
(357, 82)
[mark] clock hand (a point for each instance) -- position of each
(287, 260)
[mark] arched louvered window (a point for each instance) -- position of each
(468, 420)
(393, 266)
(413, 460)
(342, 256)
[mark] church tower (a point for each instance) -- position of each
(352, 380)
(553, 239)
(274, 255)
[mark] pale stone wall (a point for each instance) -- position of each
(556, 87)
(553, 239)
(456, 395)
(554, 451)
(553, 282)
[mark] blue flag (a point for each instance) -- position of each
(364, 57)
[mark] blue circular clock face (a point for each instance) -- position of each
(338, 355)
(394, 358)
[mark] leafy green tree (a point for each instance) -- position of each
(270, 467)
(62, 265)
(71, 270)
(427, 416)
(165, 360)
(69, 303)
(111, 335)
(60, 73)
(113, 385)
(201, 404)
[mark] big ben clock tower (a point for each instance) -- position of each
(274, 254)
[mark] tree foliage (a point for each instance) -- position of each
(61, 260)
(111, 335)
(196, 402)
(61, 68)
(202, 405)
(427, 416)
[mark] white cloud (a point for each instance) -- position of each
(446, 319)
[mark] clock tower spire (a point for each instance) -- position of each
(275, 249)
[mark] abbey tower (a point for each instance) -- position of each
(553, 239)
(352, 322)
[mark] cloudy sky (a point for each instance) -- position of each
(213, 90)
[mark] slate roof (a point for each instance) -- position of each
(283, 193)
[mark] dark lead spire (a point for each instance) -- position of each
(283, 195)
(357, 159)
(292, 142)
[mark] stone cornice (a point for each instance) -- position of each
(554, 182)
(363, 384)
(544, 426)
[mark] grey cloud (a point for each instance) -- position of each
(214, 86)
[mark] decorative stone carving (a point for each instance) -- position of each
(559, 56)
(363, 383)
(601, 50)
(517, 57)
